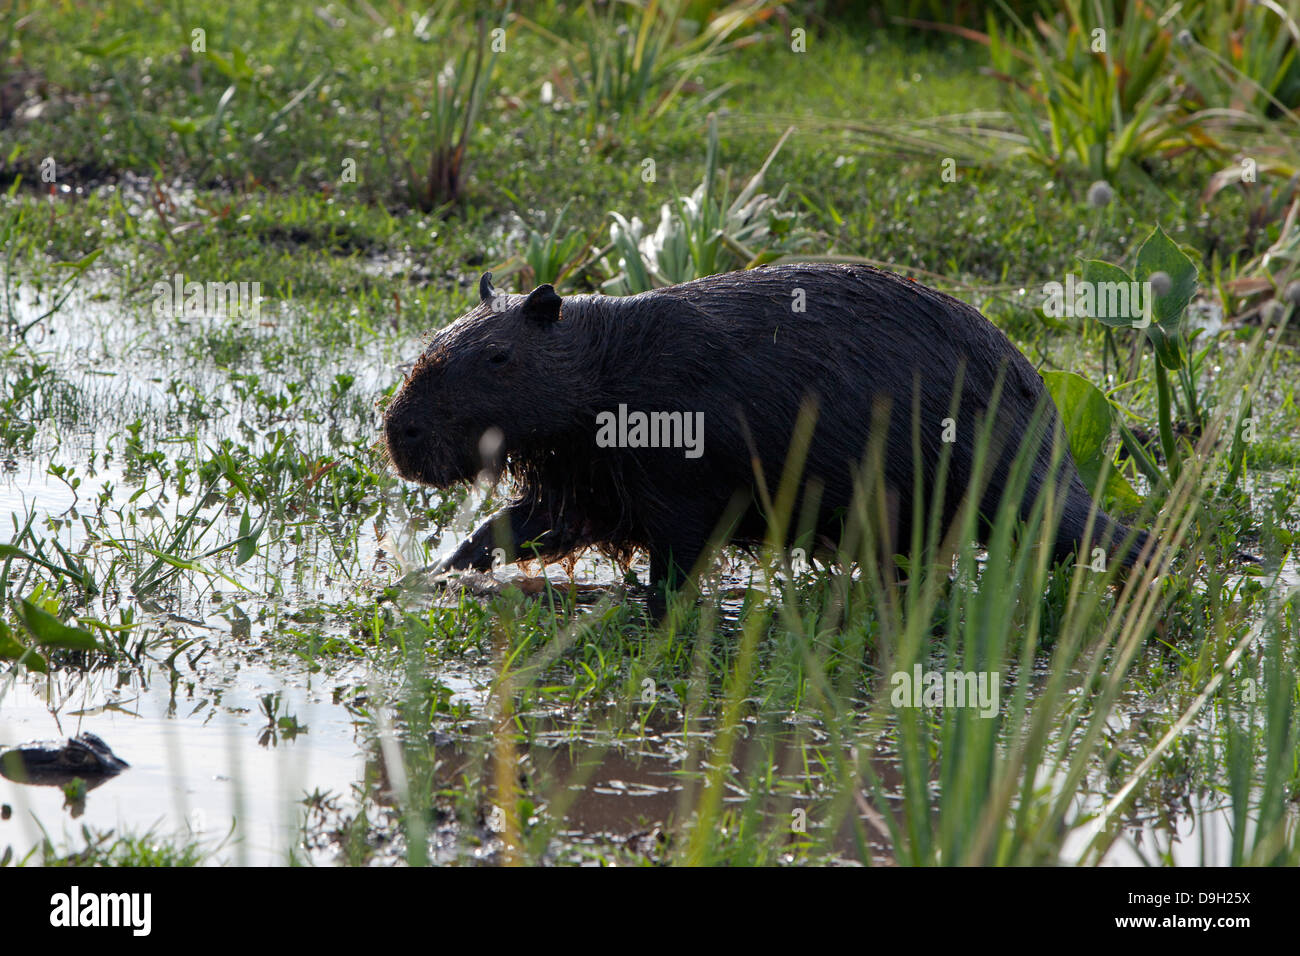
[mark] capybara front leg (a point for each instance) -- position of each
(514, 533)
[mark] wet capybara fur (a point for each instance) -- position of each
(540, 375)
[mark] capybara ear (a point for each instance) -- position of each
(485, 290)
(542, 304)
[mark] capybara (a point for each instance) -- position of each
(643, 421)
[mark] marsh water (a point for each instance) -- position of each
(236, 736)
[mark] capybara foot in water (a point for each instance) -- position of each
(641, 422)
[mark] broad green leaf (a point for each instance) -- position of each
(1161, 254)
(1085, 413)
(11, 649)
(247, 540)
(49, 631)
(1086, 418)
(1097, 272)
(10, 646)
(1118, 492)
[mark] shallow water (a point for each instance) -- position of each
(200, 758)
(204, 756)
(198, 743)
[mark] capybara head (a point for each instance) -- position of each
(484, 390)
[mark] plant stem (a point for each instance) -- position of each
(1165, 419)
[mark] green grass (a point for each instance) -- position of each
(108, 848)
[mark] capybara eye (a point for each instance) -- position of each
(499, 356)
